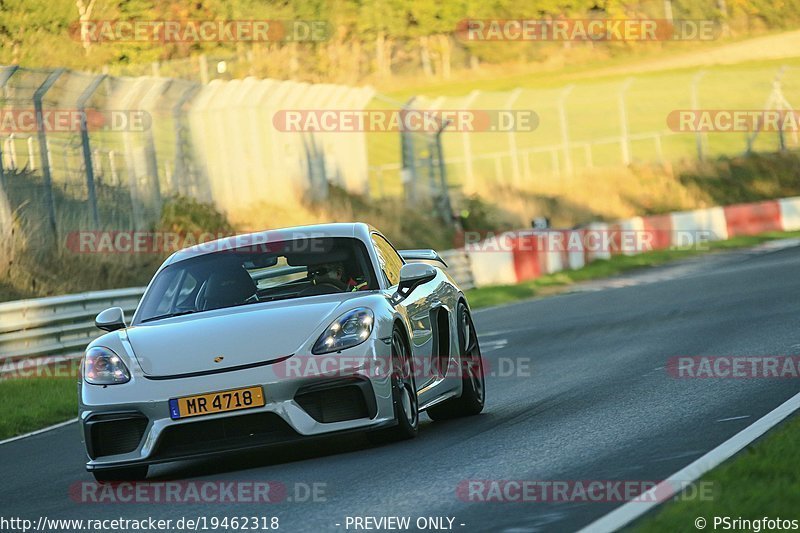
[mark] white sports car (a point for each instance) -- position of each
(265, 338)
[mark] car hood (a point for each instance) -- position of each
(228, 338)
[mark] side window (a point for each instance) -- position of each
(390, 260)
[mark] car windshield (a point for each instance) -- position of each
(275, 271)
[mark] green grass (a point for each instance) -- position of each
(33, 403)
(561, 281)
(762, 480)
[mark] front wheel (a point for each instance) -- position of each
(473, 383)
(404, 395)
(130, 473)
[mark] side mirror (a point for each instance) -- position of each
(412, 275)
(111, 319)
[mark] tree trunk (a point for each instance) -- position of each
(425, 56)
(446, 52)
(474, 62)
(380, 55)
(84, 16)
(387, 61)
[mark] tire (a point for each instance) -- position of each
(404, 395)
(473, 391)
(130, 473)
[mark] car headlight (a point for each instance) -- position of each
(350, 329)
(102, 366)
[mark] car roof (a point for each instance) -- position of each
(357, 230)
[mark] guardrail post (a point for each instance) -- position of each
(48, 184)
(87, 150)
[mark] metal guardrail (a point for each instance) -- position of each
(59, 326)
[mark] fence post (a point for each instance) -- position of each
(178, 115)
(781, 104)
(203, 65)
(48, 184)
(469, 182)
(562, 117)
(87, 149)
(447, 208)
(625, 142)
(408, 170)
(512, 138)
(31, 155)
(5, 75)
(695, 106)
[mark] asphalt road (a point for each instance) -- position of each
(598, 405)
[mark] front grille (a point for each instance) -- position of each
(114, 436)
(221, 434)
(334, 404)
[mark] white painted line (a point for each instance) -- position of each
(632, 510)
(38, 431)
(733, 418)
(490, 346)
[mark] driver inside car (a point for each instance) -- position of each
(334, 274)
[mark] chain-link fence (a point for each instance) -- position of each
(81, 151)
(608, 124)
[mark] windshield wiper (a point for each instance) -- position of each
(169, 315)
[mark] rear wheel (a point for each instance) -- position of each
(473, 392)
(404, 394)
(130, 473)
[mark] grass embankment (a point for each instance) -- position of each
(761, 481)
(31, 403)
(664, 174)
(561, 281)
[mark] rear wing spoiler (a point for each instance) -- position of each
(422, 255)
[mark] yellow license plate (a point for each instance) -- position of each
(216, 402)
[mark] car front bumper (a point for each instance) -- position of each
(130, 424)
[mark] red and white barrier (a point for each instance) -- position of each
(528, 254)
(790, 213)
(688, 227)
(752, 219)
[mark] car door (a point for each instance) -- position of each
(418, 306)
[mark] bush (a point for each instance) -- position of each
(185, 216)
